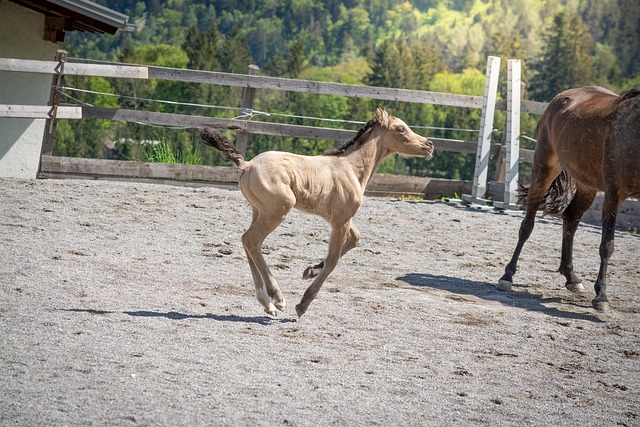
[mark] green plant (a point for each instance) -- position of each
(413, 197)
(164, 152)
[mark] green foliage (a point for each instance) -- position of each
(566, 60)
(164, 152)
(437, 45)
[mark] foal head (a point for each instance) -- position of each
(393, 134)
(397, 138)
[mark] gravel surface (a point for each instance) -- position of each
(132, 304)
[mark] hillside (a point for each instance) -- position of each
(438, 45)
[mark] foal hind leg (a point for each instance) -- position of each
(609, 213)
(570, 220)
(351, 242)
(336, 244)
(261, 290)
(267, 290)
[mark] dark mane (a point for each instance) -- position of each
(631, 93)
(357, 140)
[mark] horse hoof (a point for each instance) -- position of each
(299, 310)
(281, 306)
(600, 305)
(310, 273)
(504, 285)
(575, 287)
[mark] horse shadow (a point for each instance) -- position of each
(174, 315)
(523, 300)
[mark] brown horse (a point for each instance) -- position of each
(331, 186)
(588, 141)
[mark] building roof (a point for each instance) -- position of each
(77, 15)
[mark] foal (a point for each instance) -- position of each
(331, 185)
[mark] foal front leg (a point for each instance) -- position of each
(336, 243)
(351, 242)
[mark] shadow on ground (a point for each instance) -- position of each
(173, 315)
(523, 300)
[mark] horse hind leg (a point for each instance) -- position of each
(542, 179)
(610, 208)
(351, 242)
(571, 217)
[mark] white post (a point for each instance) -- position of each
(484, 139)
(512, 146)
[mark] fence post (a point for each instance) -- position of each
(248, 96)
(479, 187)
(54, 98)
(512, 148)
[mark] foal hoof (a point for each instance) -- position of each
(504, 285)
(310, 272)
(282, 306)
(271, 310)
(600, 305)
(575, 287)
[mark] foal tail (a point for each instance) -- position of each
(213, 139)
(556, 198)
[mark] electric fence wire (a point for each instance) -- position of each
(245, 113)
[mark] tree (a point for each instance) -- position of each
(566, 60)
(234, 53)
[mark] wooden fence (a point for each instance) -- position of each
(382, 184)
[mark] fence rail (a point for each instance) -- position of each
(89, 68)
(87, 167)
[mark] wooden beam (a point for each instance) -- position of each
(39, 112)
(101, 69)
(112, 168)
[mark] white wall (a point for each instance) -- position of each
(21, 36)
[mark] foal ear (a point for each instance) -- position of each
(381, 116)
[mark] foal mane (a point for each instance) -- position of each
(356, 141)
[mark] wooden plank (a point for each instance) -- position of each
(28, 65)
(431, 188)
(316, 87)
(169, 119)
(291, 85)
(486, 129)
(38, 112)
(273, 129)
(114, 70)
(97, 167)
(75, 68)
(526, 106)
(106, 70)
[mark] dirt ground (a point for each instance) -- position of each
(132, 304)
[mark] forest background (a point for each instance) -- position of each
(435, 45)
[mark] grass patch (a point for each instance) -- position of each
(164, 152)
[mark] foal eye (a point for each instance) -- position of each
(400, 129)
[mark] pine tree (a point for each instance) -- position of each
(566, 60)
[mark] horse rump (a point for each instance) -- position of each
(556, 198)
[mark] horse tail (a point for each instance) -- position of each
(556, 198)
(213, 139)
